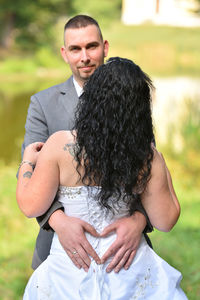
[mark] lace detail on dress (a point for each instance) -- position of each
(142, 284)
(97, 214)
(71, 192)
(44, 292)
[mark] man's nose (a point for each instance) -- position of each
(85, 56)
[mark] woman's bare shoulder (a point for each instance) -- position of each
(60, 137)
(57, 142)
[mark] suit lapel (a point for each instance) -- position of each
(68, 97)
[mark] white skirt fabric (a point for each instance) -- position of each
(149, 276)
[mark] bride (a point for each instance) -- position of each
(101, 172)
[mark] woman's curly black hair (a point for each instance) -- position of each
(114, 131)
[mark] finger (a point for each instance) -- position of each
(108, 230)
(130, 260)
(75, 257)
(82, 258)
(117, 258)
(39, 146)
(89, 250)
(71, 256)
(111, 251)
(89, 228)
(122, 261)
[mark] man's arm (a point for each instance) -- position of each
(36, 129)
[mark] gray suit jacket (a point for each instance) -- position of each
(50, 110)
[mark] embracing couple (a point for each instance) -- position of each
(98, 184)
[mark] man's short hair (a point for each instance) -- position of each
(80, 21)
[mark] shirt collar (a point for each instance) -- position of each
(78, 88)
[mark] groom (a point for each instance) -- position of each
(52, 110)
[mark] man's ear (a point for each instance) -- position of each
(106, 48)
(63, 53)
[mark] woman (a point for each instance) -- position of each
(102, 172)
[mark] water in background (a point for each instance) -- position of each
(167, 107)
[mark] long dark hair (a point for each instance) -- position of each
(114, 131)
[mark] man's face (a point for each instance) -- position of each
(84, 51)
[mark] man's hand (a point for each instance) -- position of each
(71, 234)
(124, 248)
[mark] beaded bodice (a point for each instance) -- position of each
(81, 202)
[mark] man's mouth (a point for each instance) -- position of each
(86, 68)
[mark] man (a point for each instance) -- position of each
(52, 110)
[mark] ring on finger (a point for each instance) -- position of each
(74, 252)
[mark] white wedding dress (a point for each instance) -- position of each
(149, 276)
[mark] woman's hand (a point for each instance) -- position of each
(32, 151)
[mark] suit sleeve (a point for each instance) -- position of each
(149, 227)
(137, 206)
(36, 130)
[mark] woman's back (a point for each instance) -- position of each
(148, 277)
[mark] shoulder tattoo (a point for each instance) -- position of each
(72, 148)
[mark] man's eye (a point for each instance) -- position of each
(75, 49)
(92, 46)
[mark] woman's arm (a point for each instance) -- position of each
(159, 198)
(36, 189)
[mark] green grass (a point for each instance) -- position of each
(159, 50)
(17, 235)
(180, 247)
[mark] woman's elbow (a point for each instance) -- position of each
(27, 208)
(169, 222)
(27, 211)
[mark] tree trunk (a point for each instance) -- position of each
(6, 38)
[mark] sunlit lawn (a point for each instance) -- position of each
(159, 50)
(17, 236)
(180, 247)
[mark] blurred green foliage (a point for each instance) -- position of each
(104, 10)
(159, 50)
(187, 131)
(28, 24)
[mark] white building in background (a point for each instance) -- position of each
(161, 12)
(169, 104)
